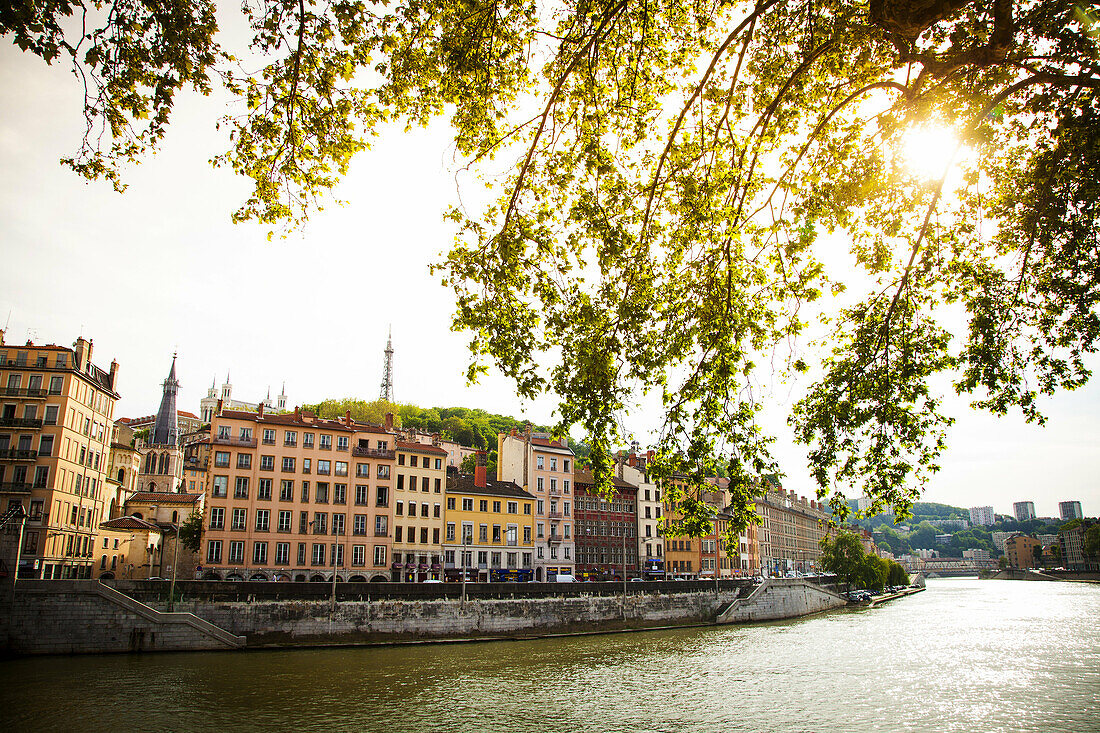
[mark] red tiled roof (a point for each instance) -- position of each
(464, 483)
(128, 523)
(421, 447)
(163, 497)
(582, 477)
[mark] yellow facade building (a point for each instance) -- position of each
(489, 530)
(419, 483)
(56, 412)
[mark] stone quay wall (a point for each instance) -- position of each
(87, 617)
(73, 617)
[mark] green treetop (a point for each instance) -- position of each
(675, 167)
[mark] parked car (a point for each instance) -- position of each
(564, 578)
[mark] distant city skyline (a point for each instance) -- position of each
(161, 269)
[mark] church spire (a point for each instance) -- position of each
(166, 427)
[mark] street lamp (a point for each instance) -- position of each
(175, 564)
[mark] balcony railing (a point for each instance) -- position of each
(555, 492)
(363, 452)
(555, 538)
(554, 515)
(27, 393)
(18, 454)
(15, 487)
(230, 440)
(20, 422)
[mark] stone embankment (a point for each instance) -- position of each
(1046, 575)
(89, 617)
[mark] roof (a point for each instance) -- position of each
(464, 483)
(163, 497)
(129, 523)
(420, 447)
(582, 477)
(552, 444)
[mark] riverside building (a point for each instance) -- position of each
(651, 543)
(56, 412)
(544, 468)
(489, 528)
(790, 532)
(606, 530)
(294, 496)
(420, 478)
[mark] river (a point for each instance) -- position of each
(966, 655)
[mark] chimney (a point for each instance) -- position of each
(114, 372)
(297, 414)
(260, 410)
(389, 421)
(82, 352)
(218, 411)
(480, 469)
(347, 418)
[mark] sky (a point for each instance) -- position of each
(161, 269)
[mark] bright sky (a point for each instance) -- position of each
(161, 268)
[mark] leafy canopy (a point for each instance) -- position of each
(682, 176)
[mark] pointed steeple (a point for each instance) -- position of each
(166, 427)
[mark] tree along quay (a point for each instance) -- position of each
(90, 617)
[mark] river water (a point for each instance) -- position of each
(966, 655)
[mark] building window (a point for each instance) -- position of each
(284, 520)
(467, 505)
(239, 516)
(358, 554)
(301, 554)
(286, 490)
(341, 442)
(326, 442)
(220, 488)
(217, 517)
(538, 483)
(307, 440)
(496, 507)
(338, 524)
(340, 494)
(51, 415)
(263, 489)
(400, 459)
(341, 468)
(362, 470)
(382, 496)
(320, 496)
(361, 495)
(513, 507)
(380, 528)
(397, 532)
(305, 492)
(263, 520)
(282, 553)
(384, 472)
(236, 551)
(241, 489)
(269, 436)
(244, 460)
(288, 464)
(539, 462)
(214, 551)
(259, 553)
(450, 532)
(318, 554)
(553, 466)
(320, 519)
(221, 459)
(359, 524)
(324, 467)
(379, 555)
(290, 438)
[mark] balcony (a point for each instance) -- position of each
(18, 454)
(20, 422)
(554, 515)
(28, 393)
(364, 452)
(555, 538)
(15, 487)
(555, 492)
(230, 440)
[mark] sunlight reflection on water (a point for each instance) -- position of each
(966, 655)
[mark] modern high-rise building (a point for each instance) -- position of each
(56, 413)
(1024, 510)
(1070, 510)
(982, 515)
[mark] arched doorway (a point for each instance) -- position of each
(211, 575)
(300, 578)
(357, 579)
(317, 578)
(538, 575)
(107, 576)
(257, 576)
(379, 579)
(234, 576)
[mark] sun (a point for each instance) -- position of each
(928, 151)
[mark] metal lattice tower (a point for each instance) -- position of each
(387, 370)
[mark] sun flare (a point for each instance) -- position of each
(928, 151)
